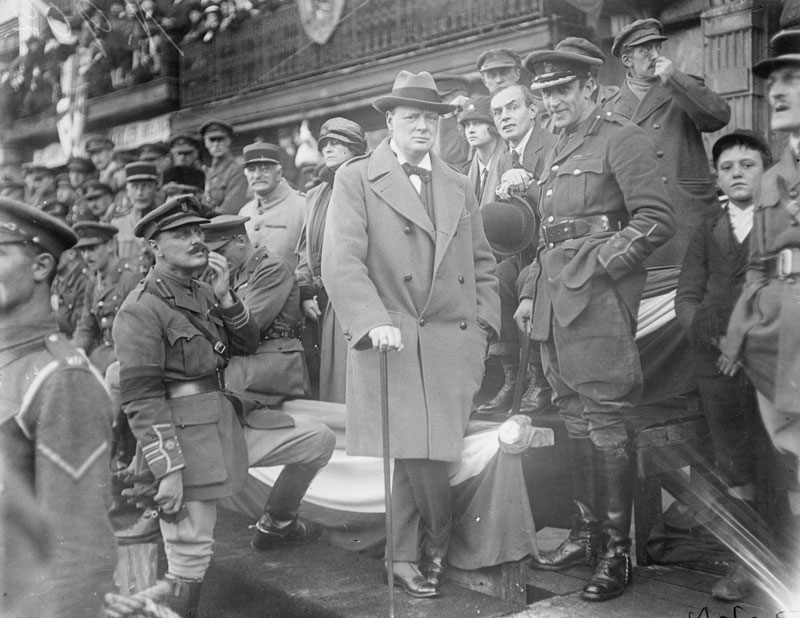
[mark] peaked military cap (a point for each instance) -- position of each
(785, 49)
(346, 131)
(63, 179)
(477, 108)
(553, 68)
(222, 229)
(80, 164)
(20, 222)
(184, 139)
(215, 127)
(95, 188)
(176, 212)
(414, 90)
(638, 33)
(261, 152)
(94, 143)
(149, 152)
(140, 170)
(498, 58)
(91, 233)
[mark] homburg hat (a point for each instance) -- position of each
(222, 229)
(176, 212)
(785, 49)
(91, 233)
(414, 90)
(510, 226)
(20, 222)
(638, 33)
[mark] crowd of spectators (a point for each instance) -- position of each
(108, 45)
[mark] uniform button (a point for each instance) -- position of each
(422, 321)
(551, 245)
(656, 125)
(463, 326)
(548, 193)
(53, 337)
(461, 278)
(576, 173)
(550, 219)
(407, 230)
(664, 179)
(407, 277)
(554, 168)
(792, 193)
(659, 153)
(257, 227)
(348, 336)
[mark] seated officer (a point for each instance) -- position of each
(267, 287)
(110, 281)
(173, 336)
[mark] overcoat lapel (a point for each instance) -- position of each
(448, 197)
(723, 233)
(390, 183)
(655, 98)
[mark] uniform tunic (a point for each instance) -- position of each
(102, 300)
(55, 432)
(586, 290)
(275, 222)
(675, 115)
(226, 186)
(69, 290)
(384, 262)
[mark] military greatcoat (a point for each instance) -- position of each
(675, 115)
(157, 346)
(385, 262)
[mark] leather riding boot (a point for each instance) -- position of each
(502, 401)
(538, 396)
(614, 569)
(434, 554)
(280, 525)
(581, 546)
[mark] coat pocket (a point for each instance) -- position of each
(189, 350)
(196, 419)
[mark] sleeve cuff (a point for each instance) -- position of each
(162, 451)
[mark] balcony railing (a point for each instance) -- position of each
(272, 49)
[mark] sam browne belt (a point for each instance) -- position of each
(567, 229)
(187, 388)
(784, 264)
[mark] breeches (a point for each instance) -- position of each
(593, 367)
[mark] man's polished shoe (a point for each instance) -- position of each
(613, 574)
(735, 586)
(434, 572)
(268, 534)
(580, 547)
(408, 577)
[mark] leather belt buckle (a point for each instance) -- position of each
(220, 348)
(784, 263)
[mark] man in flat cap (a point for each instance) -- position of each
(762, 335)
(408, 270)
(111, 279)
(141, 197)
(185, 150)
(674, 109)
(101, 151)
(340, 139)
(226, 186)
(603, 210)
(710, 282)
(276, 211)
(173, 337)
(55, 423)
(267, 287)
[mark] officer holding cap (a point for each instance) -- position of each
(173, 337)
(55, 422)
(674, 109)
(226, 187)
(603, 210)
(276, 211)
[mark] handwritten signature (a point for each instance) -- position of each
(704, 613)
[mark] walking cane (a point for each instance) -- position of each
(387, 478)
(522, 372)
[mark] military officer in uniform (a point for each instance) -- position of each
(55, 429)
(604, 209)
(173, 336)
(110, 282)
(141, 197)
(184, 150)
(68, 290)
(276, 211)
(226, 186)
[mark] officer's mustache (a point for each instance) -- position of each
(199, 249)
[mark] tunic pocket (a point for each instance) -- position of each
(196, 420)
(190, 353)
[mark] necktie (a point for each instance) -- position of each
(414, 170)
(515, 162)
(481, 183)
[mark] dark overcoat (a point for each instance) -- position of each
(675, 115)
(763, 332)
(385, 262)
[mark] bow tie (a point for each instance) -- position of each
(415, 170)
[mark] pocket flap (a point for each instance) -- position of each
(576, 166)
(195, 410)
(180, 330)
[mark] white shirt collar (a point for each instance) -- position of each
(741, 220)
(424, 164)
(520, 148)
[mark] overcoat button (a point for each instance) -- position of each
(461, 278)
(792, 193)
(550, 219)
(656, 125)
(663, 179)
(422, 321)
(407, 277)
(549, 192)
(554, 168)
(551, 245)
(257, 226)
(463, 326)
(659, 153)
(407, 229)
(576, 173)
